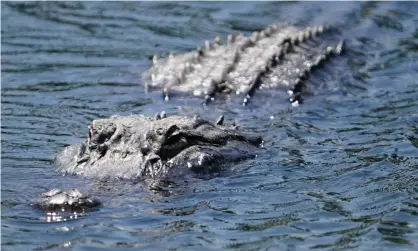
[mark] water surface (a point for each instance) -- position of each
(339, 172)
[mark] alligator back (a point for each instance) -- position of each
(281, 56)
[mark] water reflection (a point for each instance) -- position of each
(62, 216)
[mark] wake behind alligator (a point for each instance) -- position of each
(281, 57)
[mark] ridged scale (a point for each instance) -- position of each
(274, 57)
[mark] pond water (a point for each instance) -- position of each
(339, 172)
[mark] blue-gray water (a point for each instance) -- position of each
(338, 172)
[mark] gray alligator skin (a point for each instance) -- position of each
(138, 147)
(281, 56)
(59, 200)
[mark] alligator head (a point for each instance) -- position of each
(143, 147)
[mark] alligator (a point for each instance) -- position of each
(281, 56)
(167, 147)
(139, 147)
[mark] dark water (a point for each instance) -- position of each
(338, 172)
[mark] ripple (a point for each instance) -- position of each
(338, 172)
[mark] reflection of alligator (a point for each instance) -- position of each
(280, 56)
(141, 147)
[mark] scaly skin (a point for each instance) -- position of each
(139, 147)
(279, 56)
(136, 147)
(59, 200)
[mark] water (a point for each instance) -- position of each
(338, 172)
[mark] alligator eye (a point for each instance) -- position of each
(159, 131)
(174, 139)
(145, 149)
(172, 130)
